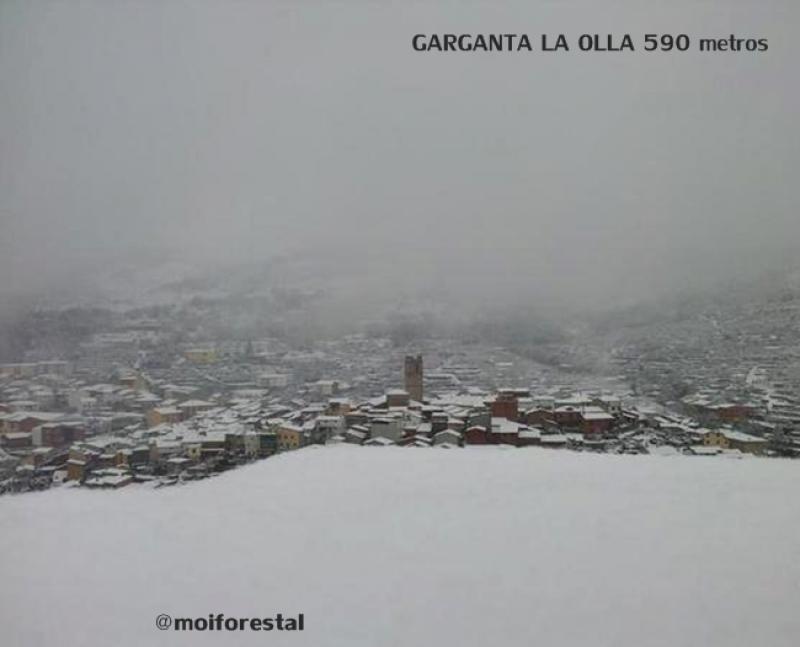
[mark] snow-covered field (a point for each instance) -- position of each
(418, 547)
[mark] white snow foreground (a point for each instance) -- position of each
(424, 548)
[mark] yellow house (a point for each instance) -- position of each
(289, 437)
(729, 439)
(716, 439)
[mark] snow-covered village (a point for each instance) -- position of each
(132, 406)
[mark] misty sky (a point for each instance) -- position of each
(227, 131)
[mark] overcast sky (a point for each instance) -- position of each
(219, 131)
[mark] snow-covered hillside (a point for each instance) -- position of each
(410, 547)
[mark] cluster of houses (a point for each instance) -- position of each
(729, 365)
(516, 417)
(136, 430)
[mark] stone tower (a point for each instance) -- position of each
(413, 377)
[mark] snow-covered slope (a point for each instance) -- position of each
(418, 547)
